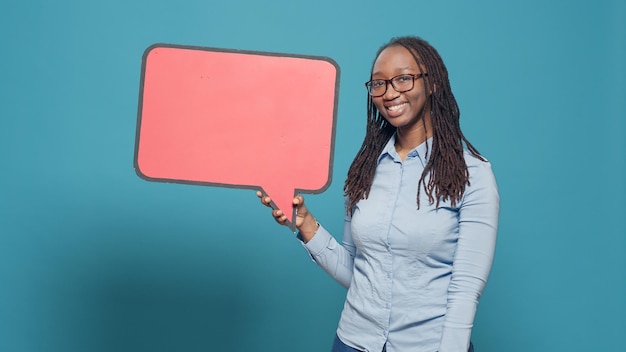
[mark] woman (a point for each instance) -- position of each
(421, 214)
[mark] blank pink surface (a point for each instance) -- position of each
(237, 120)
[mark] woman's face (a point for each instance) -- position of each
(401, 110)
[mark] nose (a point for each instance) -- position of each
(391, 92)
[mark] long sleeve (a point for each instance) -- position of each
(478, 223)
(337, 260)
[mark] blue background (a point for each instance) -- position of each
(92, 258)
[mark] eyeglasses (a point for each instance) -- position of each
(401, 83)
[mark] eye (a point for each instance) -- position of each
(403, 78)
(379, 83)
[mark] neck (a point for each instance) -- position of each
(410, 137)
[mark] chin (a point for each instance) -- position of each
(400, 121)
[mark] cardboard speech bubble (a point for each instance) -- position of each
(234, 118)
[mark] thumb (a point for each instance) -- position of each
(305, 222)
(301, 210)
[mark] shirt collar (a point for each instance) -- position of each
(419, 151)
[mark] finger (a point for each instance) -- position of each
(279, 216)
(266, 201)
(301, 209)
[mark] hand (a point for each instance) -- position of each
(305, 222)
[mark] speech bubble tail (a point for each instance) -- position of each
(292, 224)
(282, 198)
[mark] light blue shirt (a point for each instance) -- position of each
(414, 276)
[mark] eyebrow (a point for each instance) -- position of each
(397, 70)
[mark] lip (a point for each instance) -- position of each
(396, 109)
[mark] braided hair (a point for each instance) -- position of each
(447, 168)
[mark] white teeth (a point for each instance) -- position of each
(396, 107)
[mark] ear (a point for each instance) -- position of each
(434, 88)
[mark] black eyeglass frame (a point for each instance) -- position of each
(368, 84)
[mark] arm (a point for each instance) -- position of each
(337, 260)
(478, 223)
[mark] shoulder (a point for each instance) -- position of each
(476, 163)
(481, 175)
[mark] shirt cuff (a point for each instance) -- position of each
(318, 243)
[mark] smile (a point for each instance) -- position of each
(396, 107)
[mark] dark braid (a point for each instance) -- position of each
(448, 171)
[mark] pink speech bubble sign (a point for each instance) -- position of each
(234, 118)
